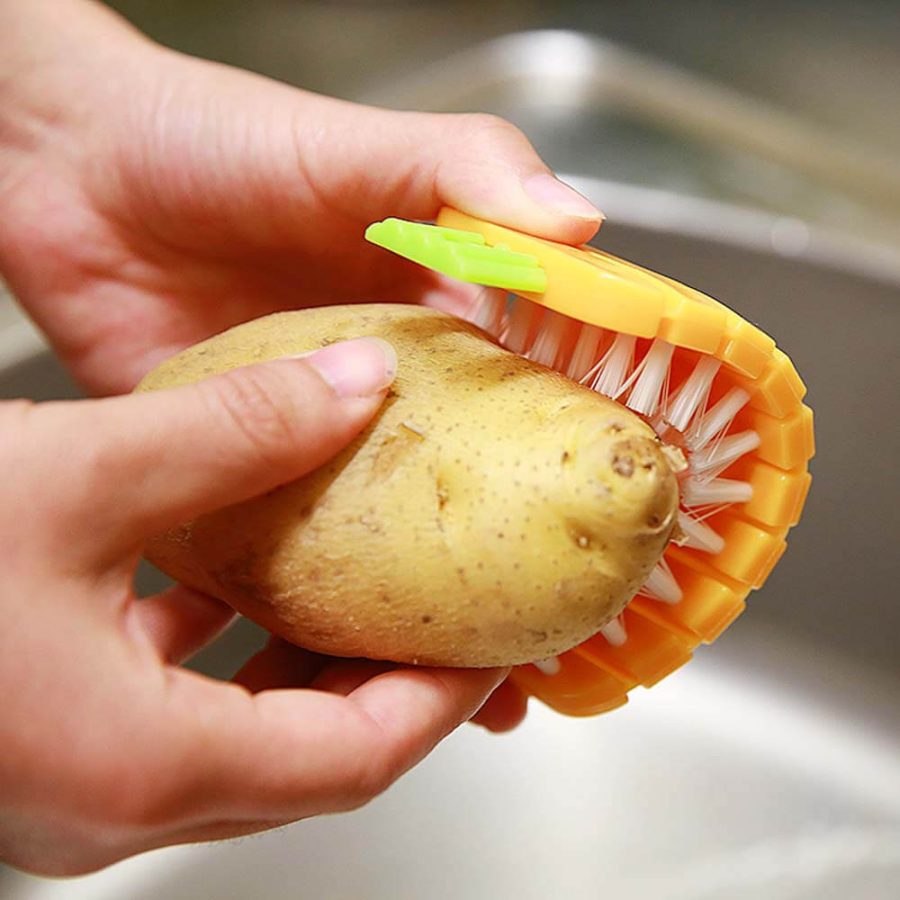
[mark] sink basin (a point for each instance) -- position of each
(721, 782)
(768, 767)
(591, 106)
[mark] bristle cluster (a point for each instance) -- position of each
(490, 310)
(614, 632)
(661, 584)
(695, 411)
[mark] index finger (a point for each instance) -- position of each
(282, 755)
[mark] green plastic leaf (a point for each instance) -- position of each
(459, 254)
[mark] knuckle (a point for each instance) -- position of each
(373, 773)
(488, 128)
(373, 779)
(382, 773)
(257, 407)
(132, 802)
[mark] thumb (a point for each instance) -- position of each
(297, 164)
(477, 163)
(150, 461)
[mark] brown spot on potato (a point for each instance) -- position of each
(361, 556)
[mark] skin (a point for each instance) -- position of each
(147, 201)
(493, 514)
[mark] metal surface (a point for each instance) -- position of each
(569, 78)
(768, 768)
(721, 783)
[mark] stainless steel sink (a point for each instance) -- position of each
(593, 107)
(722, 783)
(767, 768)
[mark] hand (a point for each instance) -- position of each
(109, 748)
(148, 200)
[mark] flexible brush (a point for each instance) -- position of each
(724, 400)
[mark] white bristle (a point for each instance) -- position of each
(661, 584)
(716, 491)
(519, 328)
(549, 666)
(697, 535)
(614, 632)
(716, 420)
(692, 394)
(644, 388)
(585, 352)
(717, 457)
(548, 345)
(650, 379)
(612, 371)
(490, 310)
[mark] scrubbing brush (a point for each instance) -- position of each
(724, 400)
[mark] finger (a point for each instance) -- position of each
(180, 621)
(284, 754)
(346, 675)
(420, 706)
(279, 665)
(479, 164)
(504, 709)
(312, 171)
(158, 459)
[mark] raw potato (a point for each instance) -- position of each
(495, 512)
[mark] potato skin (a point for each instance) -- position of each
(494, 513)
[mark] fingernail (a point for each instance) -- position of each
(554, 194)
(358, 368)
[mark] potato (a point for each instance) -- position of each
(494, 513)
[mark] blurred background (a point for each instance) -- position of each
(753, 151)
(687, 77)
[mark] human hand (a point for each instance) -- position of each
(149, 200)
(109, 748)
